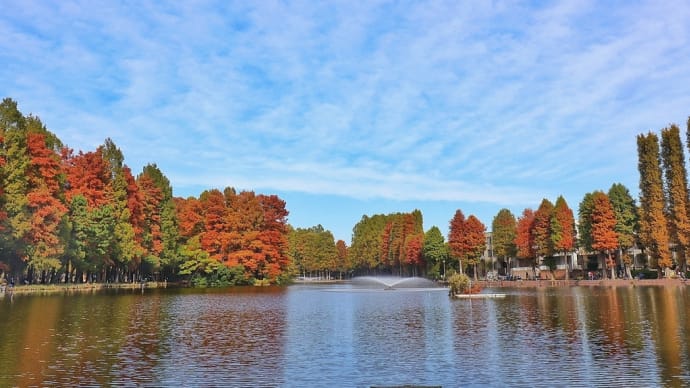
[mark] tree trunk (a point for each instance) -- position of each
(567, 265)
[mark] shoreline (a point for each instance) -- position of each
(497, 284)
(582, 283)
(78, 287)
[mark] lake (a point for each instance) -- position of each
(337, 335)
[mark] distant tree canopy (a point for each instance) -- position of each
(390, 243)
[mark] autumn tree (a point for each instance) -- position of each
(414, 243)
(676, 192)
(273, 234)
(524, 241)
(503, 234)
(475, 240)
(128, 212)
(653, 225)
(401, 242)
(88, 174)
(214, 239)
(625, 211)
(389, 243)
(343, 262)
(604, 238)
(456, 241)
(44, 246)
(15, 185)
(466, 239)
(541, 229)
(167, 218)
(563, 231)
(152, 239)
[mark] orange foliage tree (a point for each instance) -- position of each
(563, 230)
(523, 238)
(604, 236)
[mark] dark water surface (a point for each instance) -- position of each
(343, 337)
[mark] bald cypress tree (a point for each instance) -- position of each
(604, 238)
(504, 232)
(625, 209)
(676, 191)
(563, 231)
(653, 226)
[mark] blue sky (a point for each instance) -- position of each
(359, 107)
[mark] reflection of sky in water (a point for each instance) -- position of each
(340, 336)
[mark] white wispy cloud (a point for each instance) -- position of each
(496, 102)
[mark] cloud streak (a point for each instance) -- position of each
(498, 103)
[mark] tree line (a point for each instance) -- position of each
(609, 229)
(69, 216)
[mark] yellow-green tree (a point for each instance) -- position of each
(653, 225)
(676, 191)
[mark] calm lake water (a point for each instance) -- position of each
(344, 337)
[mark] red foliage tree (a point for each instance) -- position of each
(88, 174)
(135, 204)
(413, 250)
(46, 209)
(456, 230)
(190, 216)
(214, 238)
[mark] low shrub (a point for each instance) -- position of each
(459, 283)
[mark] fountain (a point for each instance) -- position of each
(390, 283)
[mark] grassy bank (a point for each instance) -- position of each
(80, 287)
